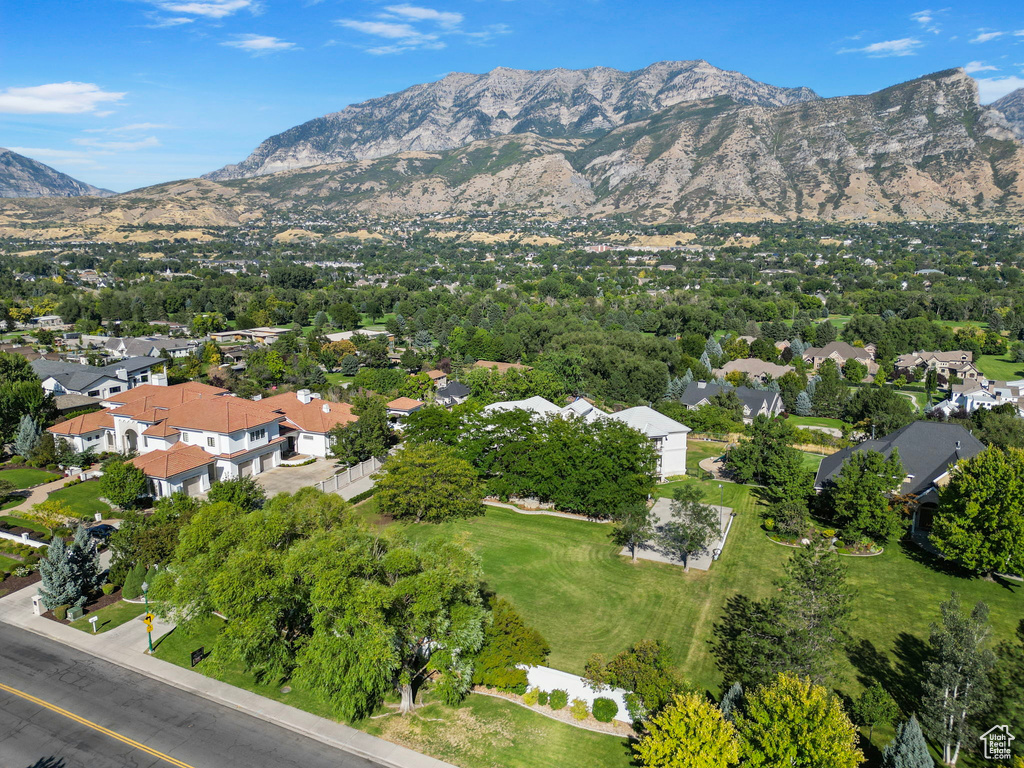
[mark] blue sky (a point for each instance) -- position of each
(125, 93)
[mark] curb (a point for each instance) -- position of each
(396, 756)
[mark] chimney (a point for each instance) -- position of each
(326, 407)
(122, 374)
(304, 396)
(958, 445)
(257, 398)
(159, 380)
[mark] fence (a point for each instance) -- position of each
(22, 539)
(342, 479)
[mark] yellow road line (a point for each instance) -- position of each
(94, 726)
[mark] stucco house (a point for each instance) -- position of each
(839, 352)
(755, 368)
(957, 362)
(309, 420)
(667, 435)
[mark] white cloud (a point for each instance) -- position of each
(408, 27)
(172, 21)
(927, 21)
(992, 88)
(446, 19)
(122, 146)
(259, 45)
(984, 37)
(56, 98)
(906, 46)
(130, 128)
(979, 66)
(210, 9)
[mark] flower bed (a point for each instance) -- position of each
(589, 723)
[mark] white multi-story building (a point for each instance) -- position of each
(191, 435)
(667, 435)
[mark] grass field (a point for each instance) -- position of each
(999, 367)
(23, 523)
(83, 498)
(815, 421)
(480, 733)
(26, 477)
(8, 564)
(112, 616)
(335, 379)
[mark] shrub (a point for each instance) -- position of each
(22, 570)
(542, 698)
(133, 583)
(559, 698)
(51, 466)
(108, 589)
(579, 710)
(605, 710)
(362, 496)
(531, 697)
(16, 459)
(61, 612)
(769, 523)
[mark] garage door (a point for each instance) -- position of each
(266, 461)
(194, 486)
(245, 468)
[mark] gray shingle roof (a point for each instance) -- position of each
(927, 449)
(77, 378)
(754, 399)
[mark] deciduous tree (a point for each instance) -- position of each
(694, 525)
(428, 483)
(980, 520)
(859, 497)
(793, 722)
(689, 733)
(123, 484)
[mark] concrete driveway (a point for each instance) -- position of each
(291, 479)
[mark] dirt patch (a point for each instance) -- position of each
(12, 584)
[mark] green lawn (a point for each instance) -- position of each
(815, 421)
(23, 523)
(112, 616)
(999, 367)
(8, 564)
(336, 379)
(480, 733)
(26, 477)
(84, 498)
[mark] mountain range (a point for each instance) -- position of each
(676, 141)
(463, 108)
(22, 176)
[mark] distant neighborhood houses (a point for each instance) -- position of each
(63, 378)
(839, 352)
(957, 363)
(974, 395)
(754, 368)
(756, 402)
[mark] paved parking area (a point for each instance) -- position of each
(291, 479)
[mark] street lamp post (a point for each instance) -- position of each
(149, 626)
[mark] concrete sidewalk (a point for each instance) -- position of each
(126, 646)
(37, 495)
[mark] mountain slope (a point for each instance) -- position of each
(922, 149)
(1012, 107)
(462, 108)
(22, 176)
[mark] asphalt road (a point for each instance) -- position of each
(149, 723)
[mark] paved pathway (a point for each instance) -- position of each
(700, 561)
(36, 495)
(125, 646)
(290, 479)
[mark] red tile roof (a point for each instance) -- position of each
(310, 417)
(222, 414)
(167, 397)
(404, 404)
(80, 425)
(175, 460)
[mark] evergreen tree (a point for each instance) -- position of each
(825, 333)
(803, 404)
(687, 377)
(712, 348)
(798, 347)
(956, 683)
(60, 577)
(859, 500)
(732, 702)
(705, 359)
(908, 749)
(830, 394)
(817, 606)
(85, 559)
(28, 436)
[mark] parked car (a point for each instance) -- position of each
(102, 531)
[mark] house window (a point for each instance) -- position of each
(184, 437)
(94, 393)
(211, 442)
(257, 434)
(114, 390)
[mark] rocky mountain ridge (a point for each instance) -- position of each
(462, 108)
(22, 176)
(1012, 107)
